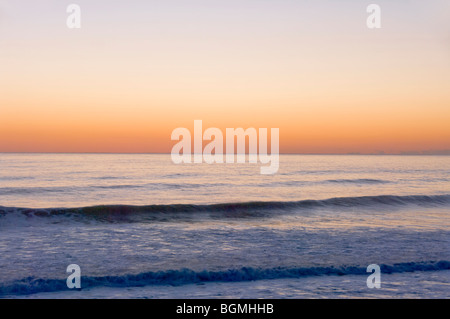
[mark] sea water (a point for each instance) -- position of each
(140, 226)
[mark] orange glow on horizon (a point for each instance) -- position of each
(327, 82)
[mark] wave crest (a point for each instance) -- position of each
(423, 200)
(186, 276)
(122, 213)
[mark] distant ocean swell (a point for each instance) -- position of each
(186, 276)
(161, 185)
(63, 189)
(248, 209)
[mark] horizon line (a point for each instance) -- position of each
(406, 153)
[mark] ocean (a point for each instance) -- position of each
(140, 226)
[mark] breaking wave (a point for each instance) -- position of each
(244, 210)
(33, 285)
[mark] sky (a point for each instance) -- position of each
(137, 70)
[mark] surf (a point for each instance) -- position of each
(124, 213)
(180, 277)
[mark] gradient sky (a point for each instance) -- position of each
(136, 70)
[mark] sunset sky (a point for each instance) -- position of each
(136, 70)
